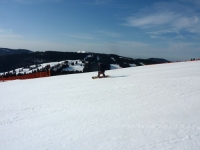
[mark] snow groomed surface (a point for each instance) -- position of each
(142, 108)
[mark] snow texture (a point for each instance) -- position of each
(153, 107)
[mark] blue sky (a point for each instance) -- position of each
(138, 29)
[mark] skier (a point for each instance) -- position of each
(102, 69)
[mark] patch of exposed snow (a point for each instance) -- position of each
(74, 68)
(114, 66)
(133, 65)
(81, 52)
(88, 56)
(113, 59)
(98, 58)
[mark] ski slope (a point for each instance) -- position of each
(141, 108)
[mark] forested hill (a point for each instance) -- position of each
(8, 51)
(18, 60)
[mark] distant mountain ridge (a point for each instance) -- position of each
(8, 51)
(12, 59)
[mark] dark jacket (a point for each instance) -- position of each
(102, 67)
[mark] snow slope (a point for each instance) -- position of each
(142, 108)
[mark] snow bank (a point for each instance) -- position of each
(149, 108)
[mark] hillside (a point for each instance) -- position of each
(90, 60)
(149, 108)
(8, 51)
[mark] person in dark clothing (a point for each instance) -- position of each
(102, 69)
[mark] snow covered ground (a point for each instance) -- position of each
(153, 107)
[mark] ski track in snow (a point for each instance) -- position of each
(142, 108)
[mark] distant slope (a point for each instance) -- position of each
(8, 51)
(153, 107)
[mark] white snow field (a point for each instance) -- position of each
(153, 107)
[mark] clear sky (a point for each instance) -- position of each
(138, 29)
